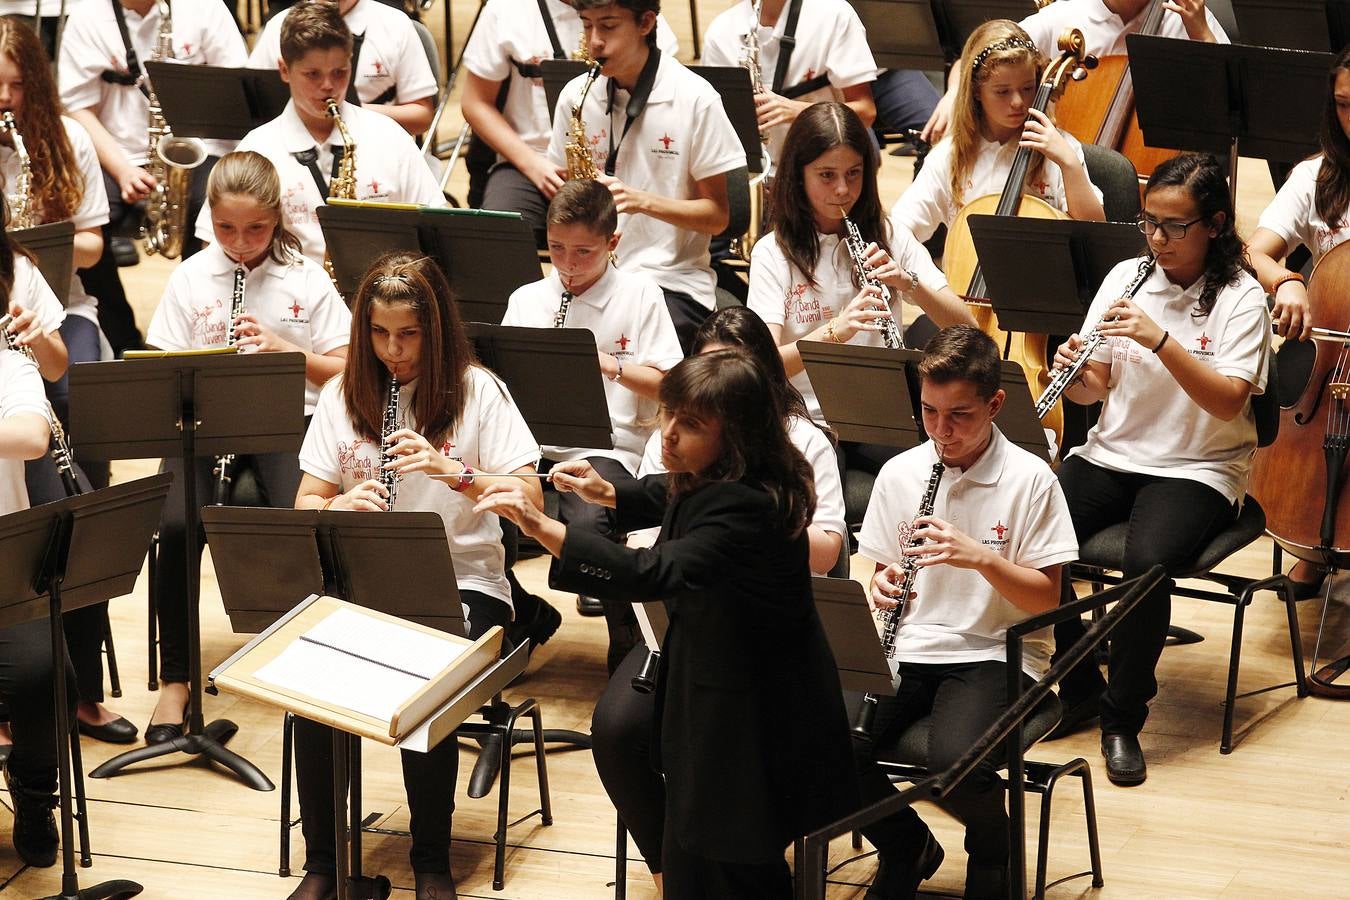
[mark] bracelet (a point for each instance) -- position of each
(1288, 276)
(829, 333)
(913, 283)
(329, 502)
(1165, 336)
(619, 373)
(465, 479)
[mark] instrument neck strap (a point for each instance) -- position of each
(637, 102)
(133, 73)
(786, 45)
(558, 51)
(310, 160)
(357, 41)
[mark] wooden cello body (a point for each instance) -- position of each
(960, 262)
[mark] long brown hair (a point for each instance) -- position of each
(442, 387)
(251, 174)
(998, 42)
(58, 186)
(732, 388)
(820, 128)
(1333, 178)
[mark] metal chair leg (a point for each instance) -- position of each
(1286, 592)
(287, 753)
(1234, 660)
(152, 619)
(541, 767)
(114, 679)
(621, 862)
(1090, 813)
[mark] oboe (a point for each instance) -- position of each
(857, 251)
(224, 461)
(388, 477)
(61, 452)
(1061, 378)
(890, 618)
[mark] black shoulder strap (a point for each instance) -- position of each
(558, 51)
(786, 45)
(132, 76)
(805, 87)
(357, 41)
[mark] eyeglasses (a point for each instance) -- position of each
(1174, 231)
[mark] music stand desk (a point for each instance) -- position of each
(852, 633)
(53, 245)
(1318, 25)
(241, 99)
(903, 34)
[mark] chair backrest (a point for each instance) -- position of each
(1116, 178)
(738, 203)
(1266, 406)
(429, 48)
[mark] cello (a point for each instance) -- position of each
(1104, 113)
(960, 261)
(1299, 480)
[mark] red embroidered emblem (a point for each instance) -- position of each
(295, 309)
(622, 342)
(666, 140)
(1204, 341)
(1000, 529)
(187, 48)
(374, 186)
(379, 68)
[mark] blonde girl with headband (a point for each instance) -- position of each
(289, 305)
(457, 419)
(991, 120)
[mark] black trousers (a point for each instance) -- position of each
(428, 777)
(279, 475)
(687, 314)
(26, 687)
(687, 876)
(1170, 519)
(620, 620)
(621, 744)
(963, 699)
(508, 189)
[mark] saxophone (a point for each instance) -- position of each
(225, 460)
(857, 251)
(583, 51)
(890, 618)
(388, 477)
(750, 57)
(343, 187)
(61, 452)
(170, 162)
(21, 210)
(1062, 378)
(580, 162)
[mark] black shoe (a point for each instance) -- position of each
(1124, 759)
(1076, 717)
(589, 607)
(35, 837)
(165, 732)
(434, 886)
(1306, 590)
(315, 886)
(898, 881)
(985, 882)
(118, 731)
(538, 628)
(124, 252)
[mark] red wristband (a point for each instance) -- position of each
(465, 479)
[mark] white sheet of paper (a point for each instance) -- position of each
(389, 643)
(342, 680)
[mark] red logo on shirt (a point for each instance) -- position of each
(187, 48)
(666, 140)
(810, 73)
(374, 186)
(623, 342)
(379, 68)
(295, 309)
(1000, 529)
(1204, 341)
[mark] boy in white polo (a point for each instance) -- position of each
(504, 100)
(660, 137)
(829, 59)
(305, 145)
(992, 553)
(635, 341)
(391, 73)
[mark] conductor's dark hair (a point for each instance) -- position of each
(584, 201)
(639, 8)
(731, 388)
(1332, 196)
(1201, 176)
(963, 353)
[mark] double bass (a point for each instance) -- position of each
(1103, 113)
(963, 266)
(1299, 480)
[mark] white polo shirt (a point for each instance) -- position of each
(513, 31)
(490, 436)
(1009, 501)
(21, 393)
(1104, 32)
(296, 300)
(203, 34)
(391, 52)
(1293, 213)
(781, 295)
(831, 41)
(389, 167)
(627, 314)
(91, 213)
(682, 136)
(929, 201)
(1148, 424)
(32, 292)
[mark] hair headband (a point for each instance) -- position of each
(1008, 43)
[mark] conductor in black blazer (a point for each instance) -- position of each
(751, 731)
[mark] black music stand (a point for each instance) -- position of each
(54, 246)
(190, 407)
(903, 34)
(240, 99)
(852, 633)
(1254, 101)
(1297, 24)
(485, 254)
(732, 83)
(958, 18)
(556, 73)
(73, 553)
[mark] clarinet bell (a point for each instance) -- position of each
(644, 682)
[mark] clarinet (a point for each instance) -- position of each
(224, 461)
(1067, 375)
(891, 617)
(853, 241)
(62, 455)
(388, 477)
(644, 682)
(561, 317)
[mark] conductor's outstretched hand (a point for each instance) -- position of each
(580, 478)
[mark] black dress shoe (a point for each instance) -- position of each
(538, 628)
(900, 880)
(35, 837)
(118, 731)
(434, 886)
(1076, 717)
(124, 252)
(1124, 759)
(315, 886)
(985, 882)
(589, 607)
(165, 732)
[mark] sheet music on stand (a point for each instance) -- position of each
(53, 245)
